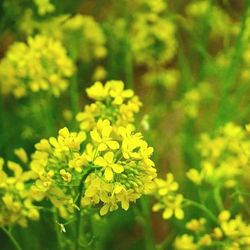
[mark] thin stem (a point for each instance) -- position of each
(58, 233)
(147, 227)
(13, 240)
(74, 98)
(203, 208)
(129, 65)
(225, 108)
(217, 198)
(78, 212)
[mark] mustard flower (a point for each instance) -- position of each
(110, 161)
(107, 162)
(81, 35)
(44, 6)
(118, 178)
(168, 199)
(150, 45)
(113, 102)
(192, 99)
(224, 157)
(196, 225)
(185, 242)
(16, 200)
(40, 65)
(89, 39)
(221, 23)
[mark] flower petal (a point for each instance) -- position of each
(113, 145)
(104, 210)
(168, 212)
(179, 214)
(109, 156)
(117, 168)
(95, 136)
(108, 174)
(99, 161)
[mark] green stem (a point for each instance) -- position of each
(225, 109)
(147, 225)
(203, 208)
(74, 98)
(58, 232)
(129, 65)
(2, 139)
(78, 213)
(13, 240)
(217, 198)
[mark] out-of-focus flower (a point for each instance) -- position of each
(168, 199)
(40, 65)
(16, 200)
(44, 6)
(224, 157)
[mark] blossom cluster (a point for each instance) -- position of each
(230, 233)
(150, 44)
(168, 200)
(225, 157)
(80, 34)
(112, 102)
(109, 161)
(16, 199)
(41, 64)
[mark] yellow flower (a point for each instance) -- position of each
(166, 186)
(16, 196)
(44, 6)
(196, 225)
(117, 92)
(101, 136)
(113, 102)
(147, 35)
(110, 167)
(41, 64)
(126, 196)
(185, 242)
(174, 207)
(21, 154)
(194, 176)
(97, 91)
(100, 73)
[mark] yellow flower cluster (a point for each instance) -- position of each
(150, 45)
(112, 103)
(80, 34)
(220, 22)
(190, 103)
(40, 65)
(229, 234)
(110, 162)
(16, 200)
(57, 165)
(86, 35)
(44, 6)
(123, 168)
(225, 157)
(165, 191)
